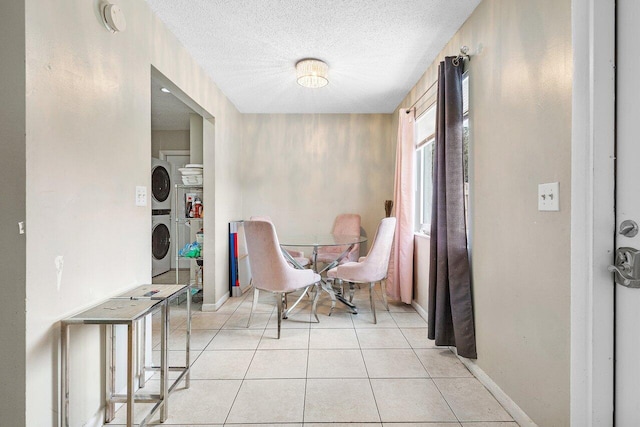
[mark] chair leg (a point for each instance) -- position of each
(352, 291)
(314, 307)
(332, 294)
(383, 288)
(256, 293)
(373, 304)
(336, 285)
(285, 305)
(280, 298)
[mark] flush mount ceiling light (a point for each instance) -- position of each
(312, 73)
(113, 18)
(165, 90)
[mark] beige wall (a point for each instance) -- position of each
(169, 140)
(421, 251)
(520, 106)
(304, 169)
(88, 145)
(12, 211)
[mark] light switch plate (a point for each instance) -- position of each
(549, 197)
(141, 195)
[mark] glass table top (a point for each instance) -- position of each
(320, 240)
(116, 310)
(156, 292)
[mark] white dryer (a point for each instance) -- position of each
(160, 244)
(160, 185)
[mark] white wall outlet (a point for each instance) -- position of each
(549, 197)
(141, 195)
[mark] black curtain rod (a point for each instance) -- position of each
(422, 96)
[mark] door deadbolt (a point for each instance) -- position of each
(628, 228)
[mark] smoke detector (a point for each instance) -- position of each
(113, 18)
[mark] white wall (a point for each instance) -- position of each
(520, 119)
(12, 210)
(88, 144)
(169, 140)
(304, 169)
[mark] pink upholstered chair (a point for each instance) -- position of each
(372, 268)
(298, 256)
(271, 272)
(344, 224)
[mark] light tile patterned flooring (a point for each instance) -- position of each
(342, 371)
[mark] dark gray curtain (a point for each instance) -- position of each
(450, 305)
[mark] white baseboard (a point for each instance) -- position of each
(509, 405)
(421, 311)
(216, 306)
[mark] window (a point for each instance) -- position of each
(425, 131)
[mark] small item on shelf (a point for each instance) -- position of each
(189, 209)
(197, 208)
(192, 179)
(191, 174)
(200, 241)
(190, 250)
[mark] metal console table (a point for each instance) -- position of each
(167, 293)
(128, 309)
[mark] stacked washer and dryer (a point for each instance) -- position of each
(161, 189)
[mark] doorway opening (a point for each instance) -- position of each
(177, 159)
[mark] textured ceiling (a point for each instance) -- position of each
(376, 49)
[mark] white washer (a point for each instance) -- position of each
(160, 244)
(160, 184)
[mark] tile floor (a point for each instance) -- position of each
(342, 371)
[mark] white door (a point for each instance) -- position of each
(627, 353)
(178, 161)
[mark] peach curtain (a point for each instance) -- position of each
(400, 278)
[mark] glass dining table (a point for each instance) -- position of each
(315, 241)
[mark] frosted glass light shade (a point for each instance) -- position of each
(312, 73)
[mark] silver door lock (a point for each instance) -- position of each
(628, 228)
(627, 267)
